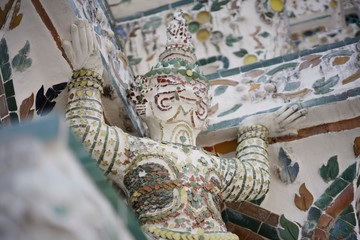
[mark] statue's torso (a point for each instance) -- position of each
(174, 187)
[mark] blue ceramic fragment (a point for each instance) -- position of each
(287, 171)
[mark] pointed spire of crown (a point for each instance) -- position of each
(178, 43)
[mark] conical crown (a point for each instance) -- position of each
(178, 56)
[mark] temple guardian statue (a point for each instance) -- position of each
(175, 188)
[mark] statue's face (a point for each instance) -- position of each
(172, 99)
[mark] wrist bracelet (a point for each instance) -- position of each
(250, 128)
(259, 131)
(86, 78)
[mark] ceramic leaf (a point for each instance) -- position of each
(25, 108)
(305, 199)
(44, 103)
(287, 170)
(331, 170)
(288, 230)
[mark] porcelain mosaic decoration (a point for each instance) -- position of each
(32, 86)
(233, 33)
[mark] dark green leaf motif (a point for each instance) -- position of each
(331, 170)
(198, 6)
(230, 40)
(231, 110)
(4, 60)
(264, 34)
(289, 230)
(21, 61)
(242, 52)
(220, 90)
(134, 61)
(323, 86)
(44, 102)
(217, 5)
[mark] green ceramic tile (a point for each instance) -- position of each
(350, 173)
(9, 88)
(276, 60)
(211, 59)
(212, 76)
(348, 215)
(291, 56)
(322, 48)
(230, 72)
(336, 45)
(351, 40)
(268, 232)
(341, 228)
(247, 68)
(308, 228)
(11, 101)
(6, 71)
(14, 118)
(323, 201)
(202, 62)
(306, 52)
(224, 216)
(243, 220)
(314, 214)
(336, 187)
(156, 10)
(180, 3)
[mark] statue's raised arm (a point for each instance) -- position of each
(247, 177)
(84, 110)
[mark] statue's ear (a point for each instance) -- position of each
(134, 94)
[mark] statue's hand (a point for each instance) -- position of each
(82, 50)
(283, 121)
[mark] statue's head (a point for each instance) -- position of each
(174, 90)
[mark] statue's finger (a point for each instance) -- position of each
(68, 50)
(82, 35)
(294, 118)
(75, 40)
(282, 110)
(90, 37)
(288, 112)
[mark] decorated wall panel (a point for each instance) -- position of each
(35, 69)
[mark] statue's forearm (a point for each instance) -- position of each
(85, 116)
(247, 175)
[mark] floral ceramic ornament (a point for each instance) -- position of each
(268, 8)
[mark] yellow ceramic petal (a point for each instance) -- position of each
(277, 5)
(249, 59)
(79, 93)
(187, 17)
(203, 17)
(333, 4)
(89, 93)
(203, 35)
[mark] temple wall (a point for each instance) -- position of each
(35, 68)
(228, 34)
